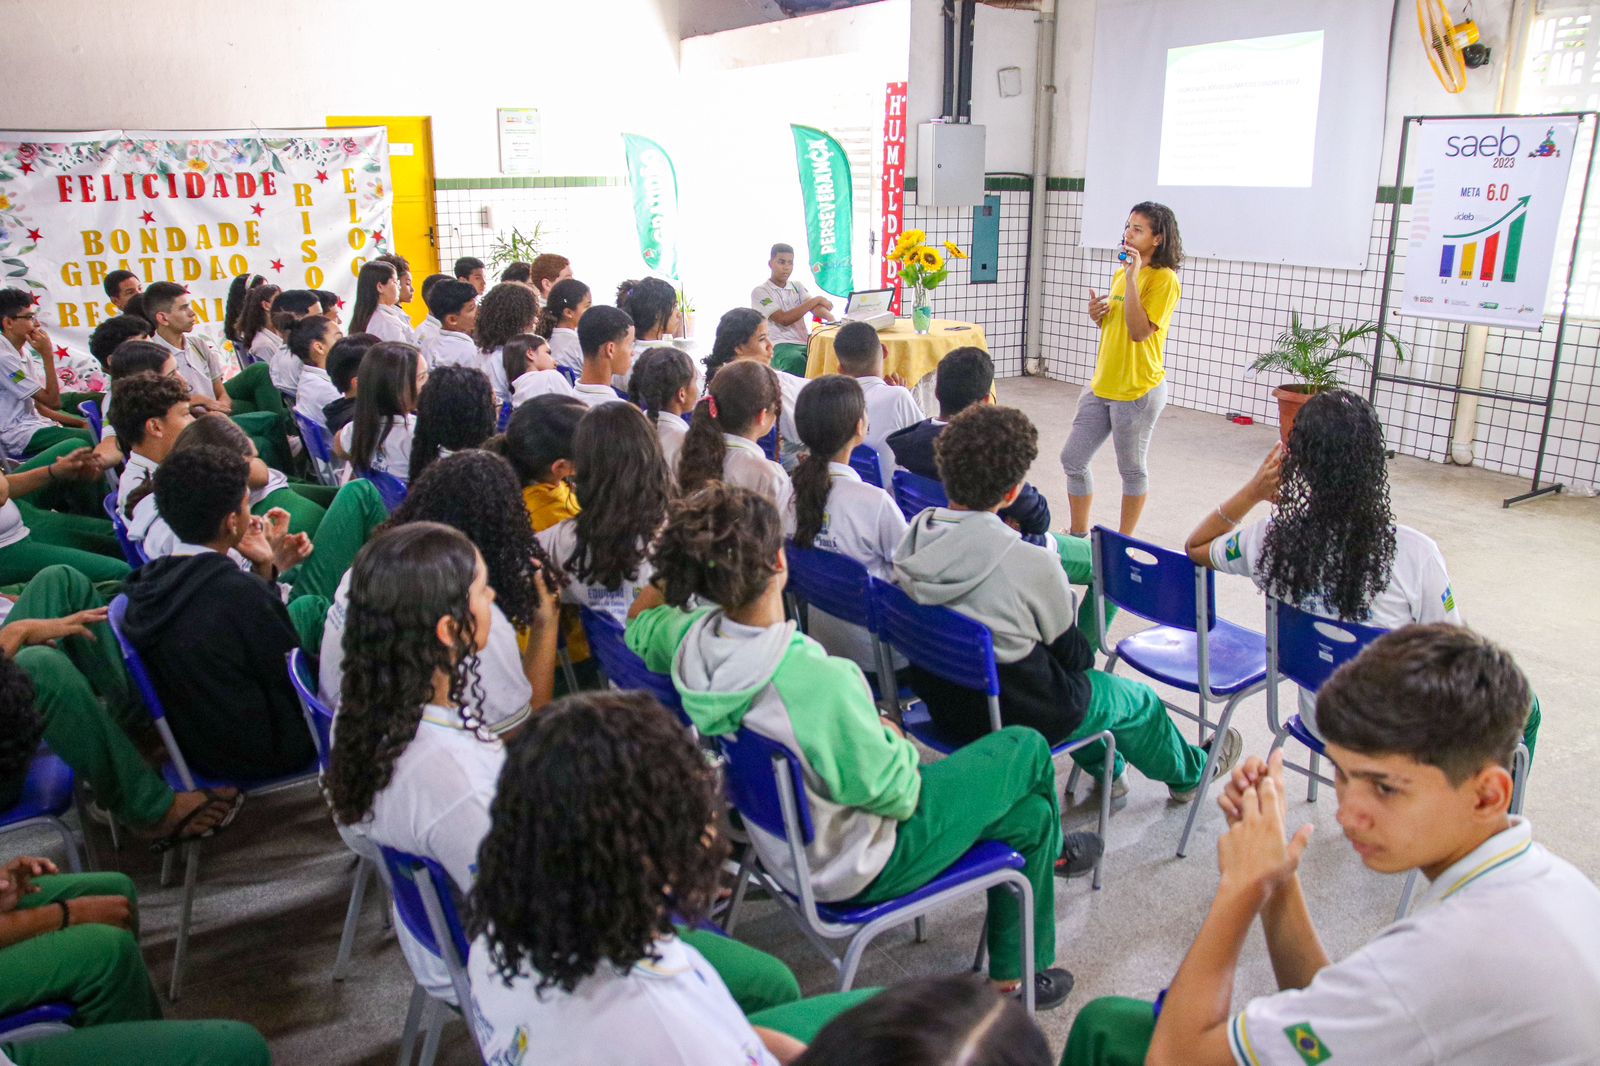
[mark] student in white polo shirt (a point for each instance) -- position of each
(744, 336)
(666, 386)
(509, 309)
(30, 419)
(606, 336)
(740, 407)
(378, 435)
(430, 325)
(785, 305)
(838, 512)
(455, 305)
(564, 308)
(310, 341)
(526, 363)
(148, 412)
(1500, 961)
(377, 309)
(890, 406)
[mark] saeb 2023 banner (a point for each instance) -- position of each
(302, 208)
(1486, 206)
(825, 188)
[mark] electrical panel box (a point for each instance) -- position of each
(984, 267)
(949, 164)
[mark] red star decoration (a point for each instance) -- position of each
(35, 236)
(147, 217)
(256, 209)
(36, 300)
(277, 264)
(377, 236)
(62, 353)
(322, 175)
(27, 168)
(341, 305)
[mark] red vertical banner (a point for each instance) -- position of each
(894, 181)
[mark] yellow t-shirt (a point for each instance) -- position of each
(1125, 370)
(550, 505)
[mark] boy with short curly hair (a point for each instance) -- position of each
(966, 558)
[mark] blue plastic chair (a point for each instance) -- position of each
(957, 649)
(132, 550)
(567, 372)
(38, 1022)
(865, 461)
(769, 445)
(766, 786)
(319, 446)
(1189, 647)
(46, 796)
(319, 720)
(624, 669)
(505, 417)
(181, 778)
(842, 587)
(391, 488)
(915, 493)
(90, 410)
(424, 901)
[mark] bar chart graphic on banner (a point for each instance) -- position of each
(1489, 253)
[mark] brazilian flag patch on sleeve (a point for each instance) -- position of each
(1232, 550)
(1307, 1044)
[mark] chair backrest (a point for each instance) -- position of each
(319, 446)
(424, 900)
(622, 667)
(391, 488)
(132, 551)
(757, 772)
(941, 641)
(915, 493)
(90, 410)
(117, 616)
(864, 461)
(36, 1023)
(567, 372)
(505, 417)
(769, 444)
(1307, 648)
(1157, 584)
(833, 583)
(318, 715)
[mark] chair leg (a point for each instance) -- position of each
(852, 960)
(1024, 893)
(414, 1012)
(1107, 776)
(741, 881)
(168, 866)
(1205, 774)
(191, 875)
(437, 1014)
(921, 927)
(1072, 779)
(980, 961)
(1311, 778)
(1405, 896)
(352, 917)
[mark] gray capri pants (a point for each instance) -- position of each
(1129, 424)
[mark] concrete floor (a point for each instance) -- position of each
(273, 890)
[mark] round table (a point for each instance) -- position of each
(911, 355)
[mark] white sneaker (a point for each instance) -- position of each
(1227, 758)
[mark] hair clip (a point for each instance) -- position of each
(713, 405)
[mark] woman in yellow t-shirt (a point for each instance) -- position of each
(1129, 390)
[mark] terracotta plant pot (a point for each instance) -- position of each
(1290, 399)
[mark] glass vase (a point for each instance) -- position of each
(922, 314)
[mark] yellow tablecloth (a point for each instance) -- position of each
(906, 352)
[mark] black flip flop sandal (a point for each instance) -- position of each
(177, 837)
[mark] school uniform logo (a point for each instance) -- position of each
(1307, 1044)
(766, 300)
(17, 376)
(1232, 550)
(1448, 598)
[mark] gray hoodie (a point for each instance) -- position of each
(973, 562)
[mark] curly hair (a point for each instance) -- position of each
(503, 312)
(114, 332)
(196, 489)
(720, 544)
(659, 375)
(403, 582)
(733, 403)
(734, 329)
(1164, 224)
(476, 492)
(455, 411)
(984, 453)
(566, 295)
(624, 487)
(601, 836)
(21, 725)
(827, 415)
(1331, 538)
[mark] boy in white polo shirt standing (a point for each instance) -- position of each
(1500, 961)
(786, 304)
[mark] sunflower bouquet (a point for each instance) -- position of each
(923, 268)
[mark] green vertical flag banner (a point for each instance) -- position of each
(655, 202)
(825, 187)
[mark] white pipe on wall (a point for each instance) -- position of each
(1044, 97)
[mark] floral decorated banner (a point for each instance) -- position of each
(302, 208)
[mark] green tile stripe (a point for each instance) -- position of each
(1007, 183)
(536, 181)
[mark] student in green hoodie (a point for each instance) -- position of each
(884, 826)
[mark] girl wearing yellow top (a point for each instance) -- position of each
(1129, 389)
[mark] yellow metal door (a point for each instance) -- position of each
(411, 173)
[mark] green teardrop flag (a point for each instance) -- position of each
(655, 202)
(825, 188)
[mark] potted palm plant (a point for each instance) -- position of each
(1310, 355)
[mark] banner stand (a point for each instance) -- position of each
(1548, 400)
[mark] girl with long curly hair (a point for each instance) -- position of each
(1128, 390)
(602, 843)
(740, 407)
(835, 510)
(455, 411)
(664, 386)
(742, 336)
(623, 487)
(884, 826)
(476, 494)
(505, 311)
